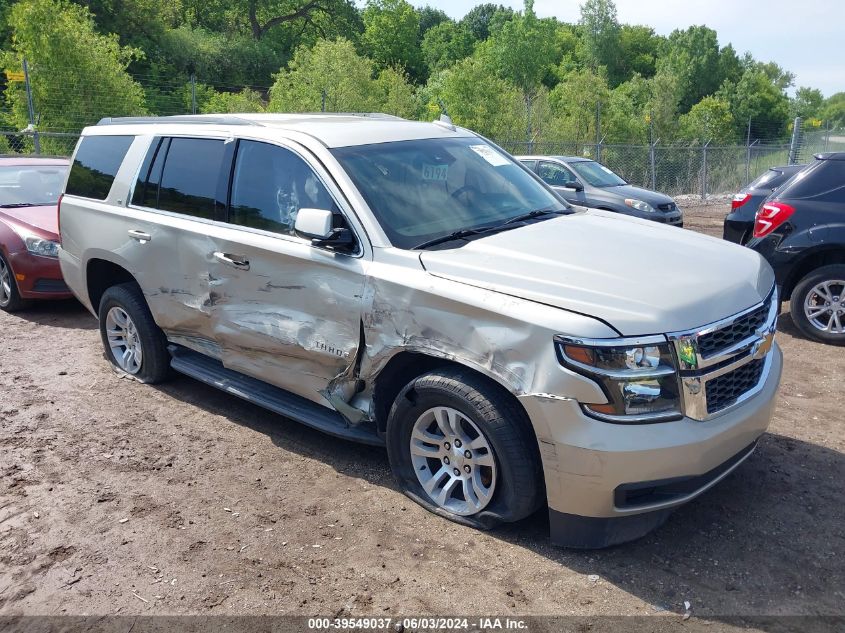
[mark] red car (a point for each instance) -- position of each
(29, 230)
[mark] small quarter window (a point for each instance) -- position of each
(95, 165)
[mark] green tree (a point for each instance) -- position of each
(478, 99)
(575, 103)
(445, 44)
(709, 120)
(395, 95)
(521, 52)
(331, 68)
(247, 100)
(391, 35)
(638, 50)
(431, 17)
(756, 98)
(692, 55)
(77, 74)
(808, 103)
(483, 19)
(601, 33)
(833, 111)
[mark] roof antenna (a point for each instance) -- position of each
(445, 120)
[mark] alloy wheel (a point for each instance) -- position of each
(824, 306)
(453, 461)
(5, 283)
(124, 341)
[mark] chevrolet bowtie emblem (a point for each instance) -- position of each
(764, 345)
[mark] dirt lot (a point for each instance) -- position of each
(124, 498)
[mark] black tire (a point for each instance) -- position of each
(13, 302)
(834, 272)
(155, 359)
(519, 489)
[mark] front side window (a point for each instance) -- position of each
(426, 189)
(31, 185)
(556, 176)
(190, 175)
(270, 185)
(597, 174)
(95, 165)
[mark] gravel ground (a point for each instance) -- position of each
(124, 498)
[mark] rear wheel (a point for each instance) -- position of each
(818, 304)
(134, 344)
(10, 298)
(462, 448)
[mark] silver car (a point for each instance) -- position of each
(412, 285)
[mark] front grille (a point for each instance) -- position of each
(744, 327)
(725, 390)
(50, 285)
(669, 206)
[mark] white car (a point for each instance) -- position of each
(411, 285)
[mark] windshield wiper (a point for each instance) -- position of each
(16, 205)
(535, 214)
(455, 235)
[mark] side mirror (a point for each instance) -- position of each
(576, 186)
(316, 225)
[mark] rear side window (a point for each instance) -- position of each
(149, 176)
(824, 181)
(95, 165)
(190, 175)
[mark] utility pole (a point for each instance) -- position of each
(193, 93)
(748, 153)
(36, 140)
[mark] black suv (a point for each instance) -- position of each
(739, 223)
(800, 230)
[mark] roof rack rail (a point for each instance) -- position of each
(221, 119)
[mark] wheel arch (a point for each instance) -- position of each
(100, 275)
(816, 258)
(407, 365)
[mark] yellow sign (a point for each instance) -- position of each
(13, 75)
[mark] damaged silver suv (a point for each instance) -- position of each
(412, 285)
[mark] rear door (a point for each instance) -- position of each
(285, 312)
(177, 200)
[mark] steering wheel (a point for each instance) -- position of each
(465, 189)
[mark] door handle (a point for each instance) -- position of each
(140, 235)
(235, 261)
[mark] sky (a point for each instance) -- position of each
(806, 38)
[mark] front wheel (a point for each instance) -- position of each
(10, 298)
(133, 342)
(462, 448)
(818, 304)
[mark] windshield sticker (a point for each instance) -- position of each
(605, 168)
(490, 155)
(439, 173)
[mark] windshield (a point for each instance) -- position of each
(425, 189)
(596, 174)
(31, 185)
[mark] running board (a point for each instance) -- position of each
(212, 372)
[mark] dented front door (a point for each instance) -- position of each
(284, 311)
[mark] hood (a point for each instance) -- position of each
(630, 191)
(638, 276)
(44, 218)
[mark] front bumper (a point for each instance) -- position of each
(38, 277)
(591, 466)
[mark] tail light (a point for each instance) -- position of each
(739, 200)
(59, 216)
(770, 216)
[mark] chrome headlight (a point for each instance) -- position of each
(639, 205)
(40, 246)
(638, 375)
